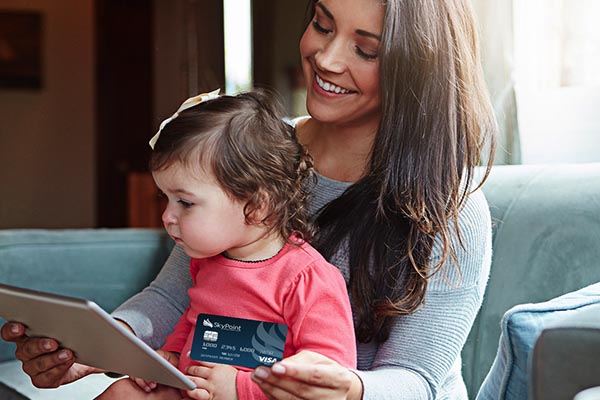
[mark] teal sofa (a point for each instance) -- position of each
(546, 243)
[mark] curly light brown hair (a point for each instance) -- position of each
(252, 152)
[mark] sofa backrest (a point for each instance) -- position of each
(106, 266)
(546, 221)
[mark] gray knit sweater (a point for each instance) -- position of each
(420, 360)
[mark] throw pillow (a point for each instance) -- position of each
(521, 326)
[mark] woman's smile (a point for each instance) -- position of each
(330, 87)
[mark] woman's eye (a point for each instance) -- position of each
(185, 204)
(365, 55)
(319, 28)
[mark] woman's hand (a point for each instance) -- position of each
(213, 381)
(308, 375)
(46, 364)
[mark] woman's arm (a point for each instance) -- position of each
(421, 359)
(153, 313)
(424, 348)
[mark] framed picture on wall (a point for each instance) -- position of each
(20, 49)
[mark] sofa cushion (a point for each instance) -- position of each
(521, 326)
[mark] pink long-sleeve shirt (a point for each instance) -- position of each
(297, 287)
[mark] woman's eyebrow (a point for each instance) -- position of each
(325, 11)
(361, 32)
(368, 34)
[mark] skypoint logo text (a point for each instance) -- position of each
(227, 327)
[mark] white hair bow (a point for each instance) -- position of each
(191, 102)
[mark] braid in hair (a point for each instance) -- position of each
(299, 219)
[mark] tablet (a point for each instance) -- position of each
(95, 337)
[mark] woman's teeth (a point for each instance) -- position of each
(330, 87)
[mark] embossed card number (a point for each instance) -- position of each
(237, 341)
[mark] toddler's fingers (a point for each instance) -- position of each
(145, 385)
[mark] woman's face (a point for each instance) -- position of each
(340, 60)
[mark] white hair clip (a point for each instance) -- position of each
(191, 102)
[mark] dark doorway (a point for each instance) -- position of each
(124, 82)
(130, 53)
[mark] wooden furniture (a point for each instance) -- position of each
(145, 205)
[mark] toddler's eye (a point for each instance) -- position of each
(185, 204)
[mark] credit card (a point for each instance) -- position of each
(236, 341)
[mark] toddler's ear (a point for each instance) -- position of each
(258, 208)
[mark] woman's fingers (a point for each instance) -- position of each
(332, 376)
(308, 375)
(13, 332)
(45, 362)
(32, 348)
(27, 348)
(50, 378)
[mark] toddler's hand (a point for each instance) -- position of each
(213, 381)
(145, 385)
(149, 386)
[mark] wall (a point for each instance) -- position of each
(289, 25)
(47, 136)
(47, 144)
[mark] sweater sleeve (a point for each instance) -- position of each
(318, 314)
(153, 313)
(421, 358)
(175, 342)
(177, 339)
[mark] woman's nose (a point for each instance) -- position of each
(331, 57)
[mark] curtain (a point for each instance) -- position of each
(495, 20)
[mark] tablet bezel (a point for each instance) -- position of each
(91, 333)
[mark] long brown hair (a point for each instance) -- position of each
(252, 152)
(436, 121)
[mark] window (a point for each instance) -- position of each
(557, 59)
(238, 45)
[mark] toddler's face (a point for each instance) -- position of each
(199, 215)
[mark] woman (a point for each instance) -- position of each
(399, 116)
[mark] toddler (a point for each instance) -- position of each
(236, 181)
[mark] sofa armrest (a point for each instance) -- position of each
(566, 356)
(106, 266)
